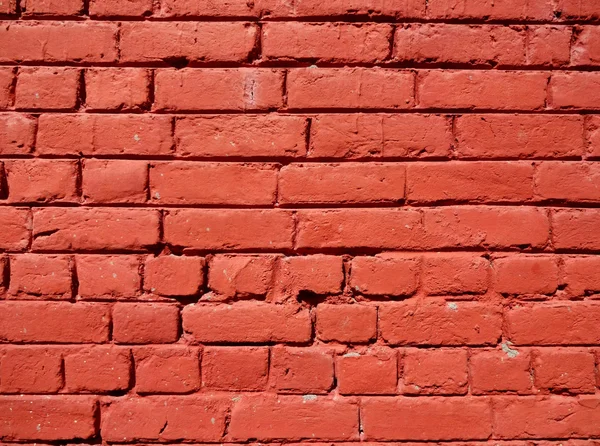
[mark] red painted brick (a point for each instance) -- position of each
(586, 48)
(167, 369)
(577, 9)
(100, 369)
(576, 229)
(241, 136)
(593, 136)
(337, 8)
(301, 370)
(549, 45)
(235, 368)
(326, 42)
(41, 276)
(319, 274)
(108, 276)
(506, 370)
(293, 418)
(573, 323)
(377, 135)
(93, 228)
(360, 88)
(170, 418)
(562, 369)
(522, 136)
(435, 372)
(47, 88)
(8, 7)
(15, 228)
(581, 275)
(426, 418)
(17, 134)
(174, 276)
(30, 370)
(574, 90)
(218, 89)
(117, 8)
(488, 9)
(145, 323)
(229, 228)
(47, 418)
(246, 322)
(526, 274)
(454, 273)
(41, 180)
(393, 275)
(501, 90)
(241, 275)
(222, 183)
(7, 77)
(375, 372)
(114, 181)
(51, 7)
(562, 181)
(54, 322)
(346, 323)
(116, 88)
(346, 183)
(452, 323)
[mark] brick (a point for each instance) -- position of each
(145, 323)
(522, 274)
(117, 8)
(47, 418)
(59, 42)
(338, 8)
(30, 370)
(549, 45)
(241, 136)
(485, 226)
(15, 229)
(17, 133)
(301, 370)
(479, 44)
(346, 323)
(500, 90)
(167, 369)
(108, 276)
(104, 135)
(100, 369)
(191, 8)
(576, 9)
(574, 90)
(41, 180)
(573, 323)
(235, 368)
(55, 322)
(474, 181)
(94, 229)
(246, 323)
(411, 418)
(117, 88)
(51, 8)
(165, 418)
(293, 418)
(505, 370)
(550, 416)
(7, 80)
(575, 229)
(454, 273)
(564, 370)
(362, 88)
(222, 183)
(562, 181)
(488, 9)
(586, 47)
(8, 7)
(241, 275)
(114, 181)
(42, 276)
(346, 183)
(581, 275)
(47, 88)
(189, 41)
(452, 323)
(326, 42)
(435, 372)
(229, 228)
(173, 275)
(522, 136)
(318, 274)
(378, 135)
(375, 372)
(218, 89)
(593, 136)
(392, 275)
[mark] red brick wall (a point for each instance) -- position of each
(237, 221)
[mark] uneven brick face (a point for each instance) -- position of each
(299, 222)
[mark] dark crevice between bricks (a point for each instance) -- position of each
(74, 280)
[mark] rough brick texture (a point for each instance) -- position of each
(300, 222)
